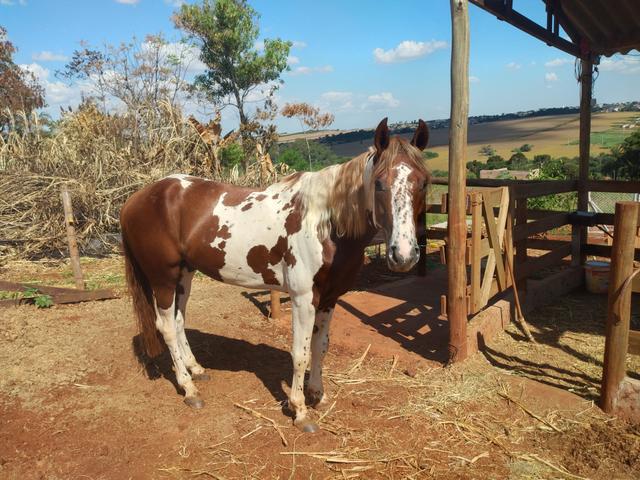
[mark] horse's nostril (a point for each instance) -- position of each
(394, 253)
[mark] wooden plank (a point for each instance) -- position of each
(534, 264)
(525, 230)
(617, 186)
(604, 251)
(634, 342)
(456, 268)
(476, 251)
(496, 243)
(74, 296)
(619, 304)
(503, 11)
(579, 233)
(520, 244)
(545, 244)
(491, 259)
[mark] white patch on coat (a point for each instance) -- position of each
(403, 235)
(263, 224)
(184, 179)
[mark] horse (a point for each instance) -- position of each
(304, 235)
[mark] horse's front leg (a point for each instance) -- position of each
(319, 347)
(303, 320)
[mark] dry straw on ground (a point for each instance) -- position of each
(102, 159)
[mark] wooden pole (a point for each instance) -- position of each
(476, 253)
(275, 304)
(579, 233)
(619, 305)
(457, 226)
(74, 253)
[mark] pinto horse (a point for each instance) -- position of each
(305, 235)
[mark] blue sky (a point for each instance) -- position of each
(361, 60)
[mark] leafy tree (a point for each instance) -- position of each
(539, 160)
(321, 155)
(487, 151)
(19, 89)
(231, 155)
(141, 75)
(495, 161)
(475, 166)
(628, 157)
(523, 148)
(518, 161)
(226, 31)
(428, 155)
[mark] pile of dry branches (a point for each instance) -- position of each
(102, 159)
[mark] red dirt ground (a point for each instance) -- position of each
(75, 402)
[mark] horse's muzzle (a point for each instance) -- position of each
(399, 262)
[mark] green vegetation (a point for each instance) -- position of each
(299, 154)
(31, 294)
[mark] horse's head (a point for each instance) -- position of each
(400, 188)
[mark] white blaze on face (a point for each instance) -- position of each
(403, 235)
(184, 179)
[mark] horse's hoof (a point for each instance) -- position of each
(194, 402)
(201, 377)
(308, 426)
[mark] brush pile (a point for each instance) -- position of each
(103, 159)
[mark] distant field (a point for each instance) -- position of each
(554, 135)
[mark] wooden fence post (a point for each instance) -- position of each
(619, 305)
(275, 304)
(457, 225)
(74, 253)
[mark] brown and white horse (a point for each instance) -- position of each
(304, 235)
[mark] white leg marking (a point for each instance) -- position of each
(319, 347)
(302, 319)
(166, 324)
(184, 289)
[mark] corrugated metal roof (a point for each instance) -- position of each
(609, 26)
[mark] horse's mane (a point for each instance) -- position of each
(342, 195)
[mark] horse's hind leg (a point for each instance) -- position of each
(182, 296)
(166, 325)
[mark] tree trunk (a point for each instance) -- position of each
(244, 134)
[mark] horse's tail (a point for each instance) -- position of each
(142, 299)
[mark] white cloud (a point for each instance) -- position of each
(513, 66)
(334, 100)
(47, 56)
(557, 62)
(11, 3)
(473, 79)
(128, 2)
(625, 64)
(303, 70)
(57, 93)
(550, 77)
(408, 50)
(175, 3)
(293, 60)
(298, 44)
(381, 101)
(187, 55)
(259, 45)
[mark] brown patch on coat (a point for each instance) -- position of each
(260, 197)
(293, 222)
(276, 196)
(322, 275)
(217, 231)
(247, 207)
(235, 195)
(258, 259)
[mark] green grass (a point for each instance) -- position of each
(607, 138)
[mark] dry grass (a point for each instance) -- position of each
(102, 159)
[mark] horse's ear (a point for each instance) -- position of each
(381, 140)
(421, 137)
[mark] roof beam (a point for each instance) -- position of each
(504, 11)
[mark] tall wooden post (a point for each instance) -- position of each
(457, 226)
(275, 304)
(619, 306)
(74, 252)
(579, 234)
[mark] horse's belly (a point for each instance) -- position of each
(241, 275)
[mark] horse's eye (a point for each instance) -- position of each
(379, 186)
(425, 185)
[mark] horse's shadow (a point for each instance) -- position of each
(214, 352)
